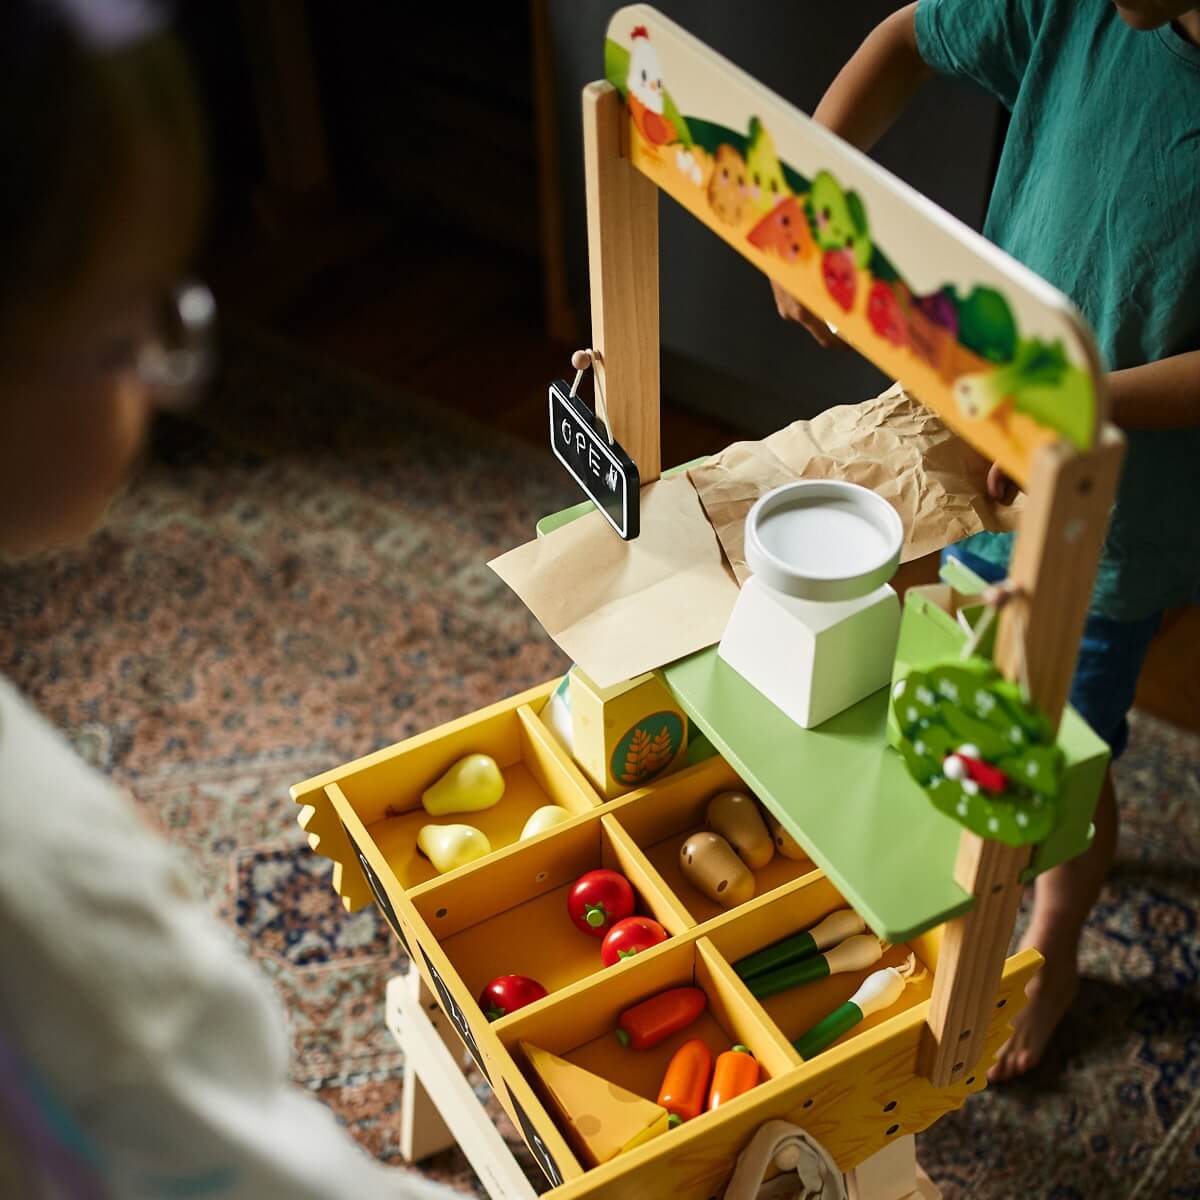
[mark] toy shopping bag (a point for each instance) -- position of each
(808, 1172)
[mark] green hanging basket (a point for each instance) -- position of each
(982, 753)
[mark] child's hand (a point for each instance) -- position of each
(790, 309)
(999, 487)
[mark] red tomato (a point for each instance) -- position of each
(599, 900)
(629, 936)
(837, 269)
(885, 314)
(507, 993)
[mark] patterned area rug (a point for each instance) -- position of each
(304, 581)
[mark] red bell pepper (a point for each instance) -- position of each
(654, 1020)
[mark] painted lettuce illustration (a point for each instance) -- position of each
(983, 755)
(1037, 380)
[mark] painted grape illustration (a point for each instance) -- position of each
(983, 755)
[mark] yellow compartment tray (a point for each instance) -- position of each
(506, 913)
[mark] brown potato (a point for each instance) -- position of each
(735, 816)
(784, 842)
(710, 865)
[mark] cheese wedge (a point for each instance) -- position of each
(600, 1119)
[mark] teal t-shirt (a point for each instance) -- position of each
(1098, 191)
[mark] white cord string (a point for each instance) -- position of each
(995, 598)
(978, 632)
(581, 360)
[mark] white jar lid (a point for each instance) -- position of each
(823, 539)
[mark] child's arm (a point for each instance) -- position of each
(1158, 395)
(875, 86)
(861, 104)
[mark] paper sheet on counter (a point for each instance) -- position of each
(893, 445)
(621, 608)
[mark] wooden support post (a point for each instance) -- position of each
(892, 1174)
(972, 958)
(422, 1130)
(1053, 565)
(622, 221)
(435, 1087)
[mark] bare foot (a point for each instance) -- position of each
(1051, 993)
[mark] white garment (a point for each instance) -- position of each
(155, 1051)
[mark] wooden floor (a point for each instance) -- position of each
(448, 322)
(459, 324)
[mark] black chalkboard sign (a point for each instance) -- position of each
(537, 1147)
(380, 893)
(457, 1017)
(608, 476)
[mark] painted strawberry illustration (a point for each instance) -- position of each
(837, 269)
(885, 314)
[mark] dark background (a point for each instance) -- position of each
(397, 183)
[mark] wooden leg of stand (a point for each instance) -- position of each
(438, 1088)
(892, 1174)
(422, 1130)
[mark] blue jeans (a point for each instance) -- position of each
(1110, 660)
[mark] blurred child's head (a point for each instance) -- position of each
(100, 201)
(1152, 14)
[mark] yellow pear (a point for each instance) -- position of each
(544, 818)
(471, 785)
(449, 847)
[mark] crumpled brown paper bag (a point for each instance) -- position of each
(621, 608)
(893, 445)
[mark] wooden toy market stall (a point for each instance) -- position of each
(921, 807)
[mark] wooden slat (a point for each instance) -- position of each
(889, 1174)
(971, 959)
(1053, 566)
(434, 1082)
(622, 217)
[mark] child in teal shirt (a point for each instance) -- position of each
(1096, 191)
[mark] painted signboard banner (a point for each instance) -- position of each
(999, 354)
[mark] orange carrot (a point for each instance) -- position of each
(654, 1020)
(686, 1081)
(736, 1072)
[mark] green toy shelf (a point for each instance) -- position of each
(844, 794)
(840, 791)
